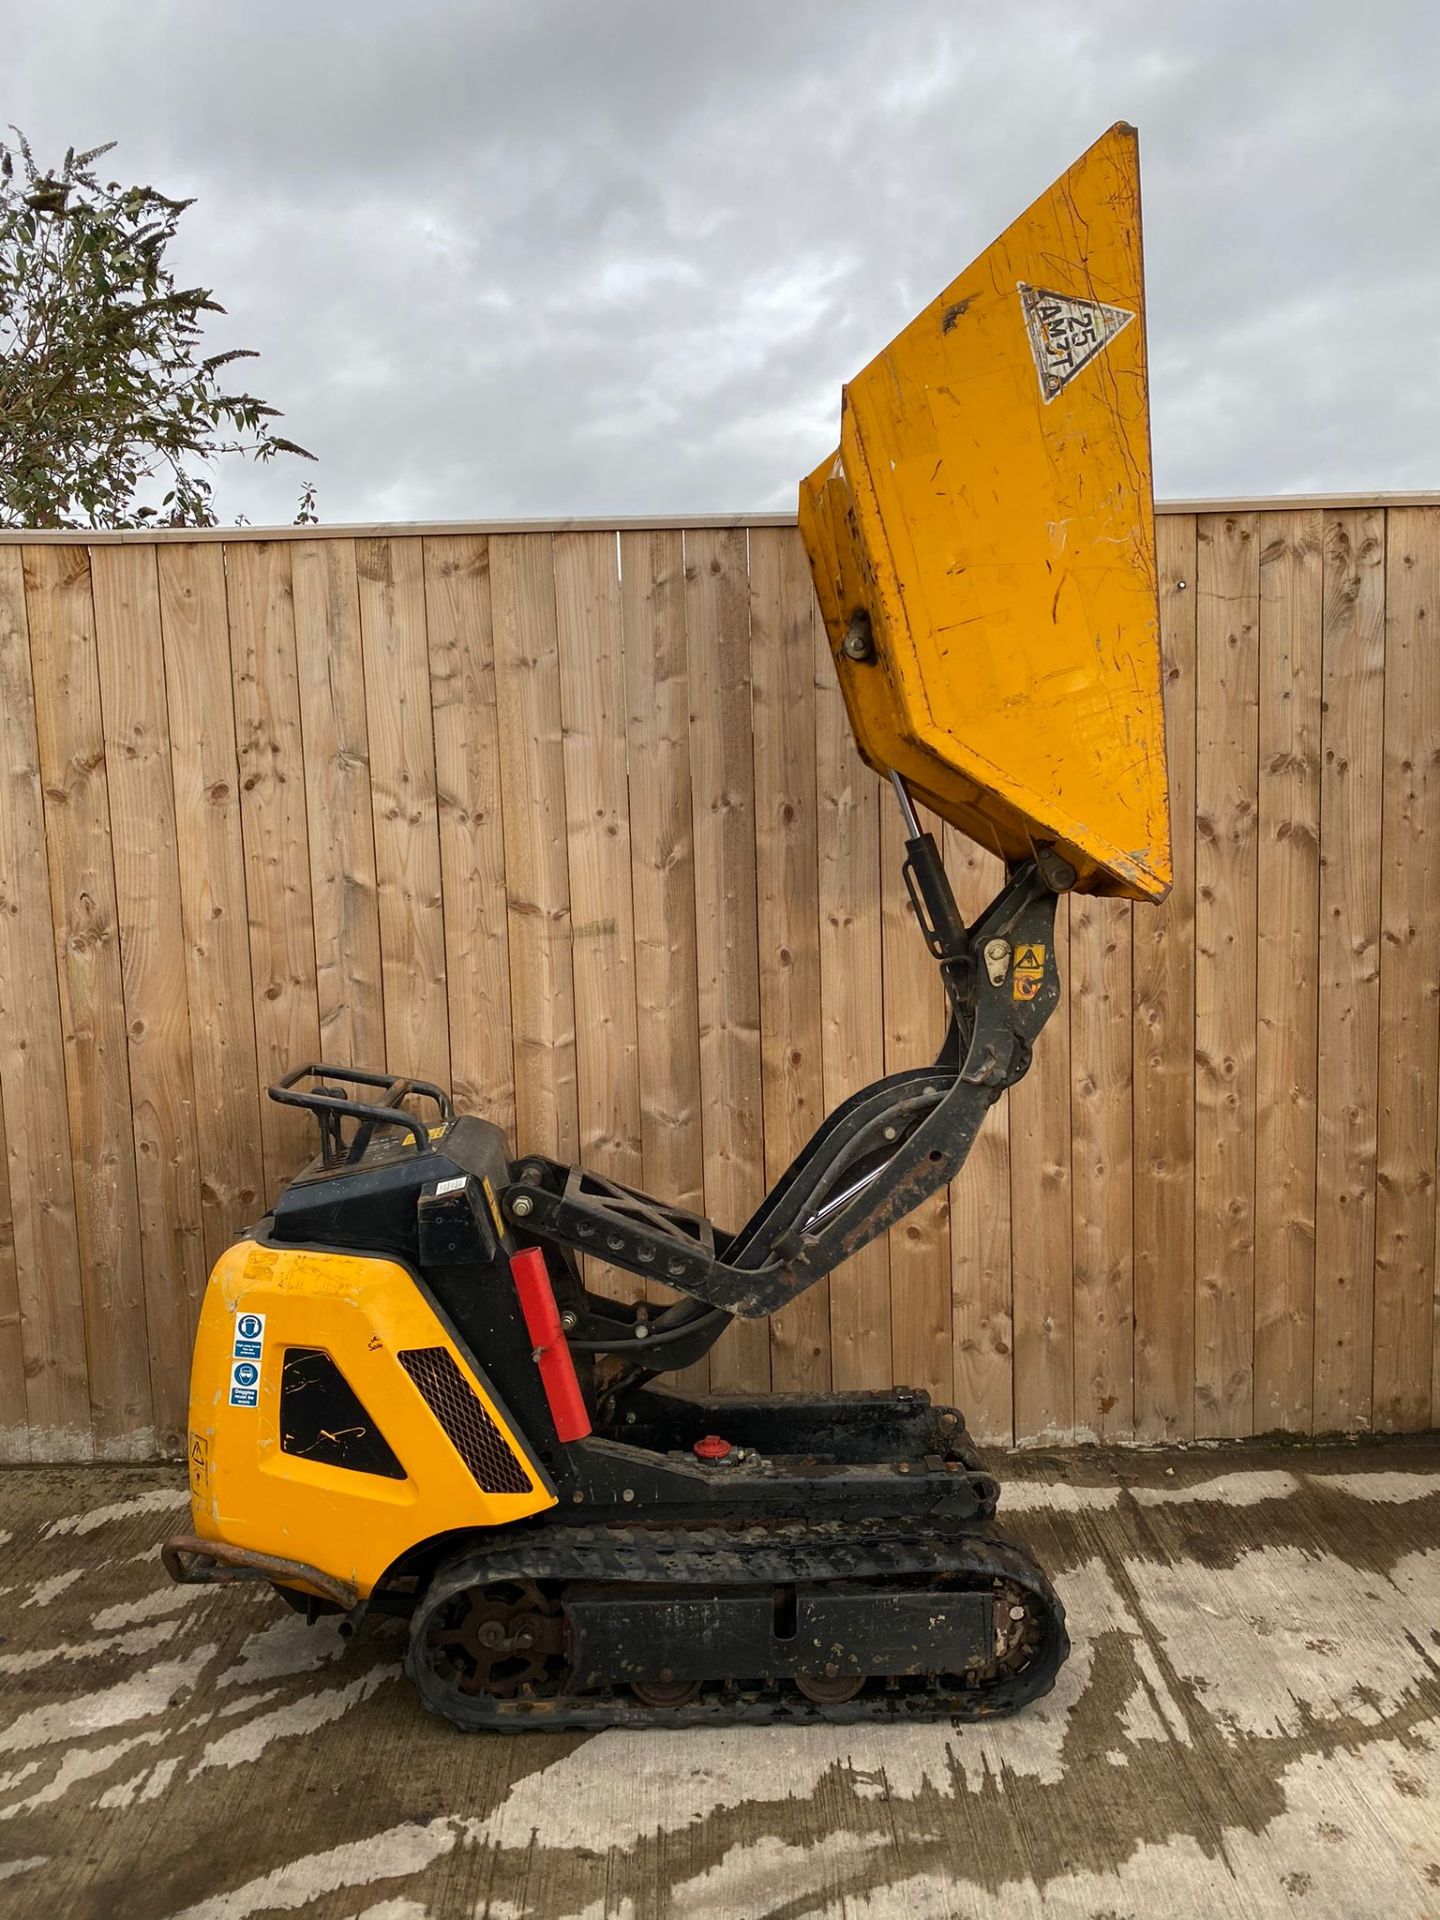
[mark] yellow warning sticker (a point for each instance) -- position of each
(199, 1465)
(1066, 332)
(1028, 972)
(494, 1206)
(437, 1133)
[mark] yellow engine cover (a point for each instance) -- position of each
(246, 1489)
(990, 509)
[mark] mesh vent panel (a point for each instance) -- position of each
(471, 1431)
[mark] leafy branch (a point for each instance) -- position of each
(110, 412)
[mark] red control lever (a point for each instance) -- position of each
(552, 1351)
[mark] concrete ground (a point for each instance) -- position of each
(1249, 1725)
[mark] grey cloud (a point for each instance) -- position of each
(584, 258)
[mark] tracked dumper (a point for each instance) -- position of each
(404, 1397)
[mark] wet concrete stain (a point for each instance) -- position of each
(1250, 1724)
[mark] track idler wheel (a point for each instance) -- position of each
(829, 1690)
(665, 1693)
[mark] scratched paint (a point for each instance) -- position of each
(1020, 702)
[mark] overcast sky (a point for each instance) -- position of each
(617, 256)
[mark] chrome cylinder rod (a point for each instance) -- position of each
(913, 828)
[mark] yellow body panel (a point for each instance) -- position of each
(990, 509)
(362, 1312)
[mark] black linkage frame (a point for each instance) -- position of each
(879, 1155)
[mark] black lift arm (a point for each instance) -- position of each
(880, 1154)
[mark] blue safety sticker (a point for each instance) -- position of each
(244, 1383)
(249, 1336)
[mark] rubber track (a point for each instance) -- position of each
(704, 1559)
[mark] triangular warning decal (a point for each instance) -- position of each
(1066, 333)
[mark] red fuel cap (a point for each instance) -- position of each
(712, 1447)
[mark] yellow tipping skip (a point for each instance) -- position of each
(990, 511)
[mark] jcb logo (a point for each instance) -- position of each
(1029, 972)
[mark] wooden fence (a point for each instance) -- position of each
(571, 819)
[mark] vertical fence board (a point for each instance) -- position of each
(532, 788)
(783, 622)
(1101, 1055)
(717, 624)
(1287, 961)
(1352, 745)
(402, 786)
(590, 636)
(1409, 1073)
(14, 1424)
(920, 1341)
(852, 1024)
(276, 839)
(1042, 1259)
(662, 857)
(152, 956)
(210, 857)
(79, 842)
(472, 830)
(49, 1292)
(982, 1331)
(1163, 1103)
(1226, 784)
(341, 831)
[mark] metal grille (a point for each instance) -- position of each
(472, 1432)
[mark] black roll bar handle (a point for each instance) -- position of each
(330, 1107)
